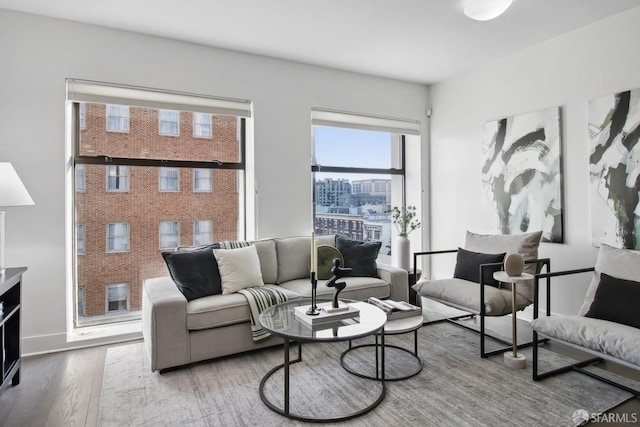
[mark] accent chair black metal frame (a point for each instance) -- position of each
(484, 269)
(577, 366)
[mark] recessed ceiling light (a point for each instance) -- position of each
(484, 10)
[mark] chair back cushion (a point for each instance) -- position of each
(620, 263)
(468, 266)
(524, 244)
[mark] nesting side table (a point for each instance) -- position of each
(513, 359)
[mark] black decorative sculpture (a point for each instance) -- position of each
(313, 309)
(337, 274)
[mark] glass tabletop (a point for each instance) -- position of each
(281, 320)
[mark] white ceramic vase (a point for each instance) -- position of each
(403, 250)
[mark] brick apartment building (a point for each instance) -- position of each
(126, 216)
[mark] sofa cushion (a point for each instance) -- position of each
(294, 258)
(465, 295)
(195, 271)
(614, 339)
(266, 253)
(221, 310)
(616, 300)
(239, 268)
(621, 263)
(524, 244)
(468, 266)
(358, 288)
(268, 259)
(359, 256)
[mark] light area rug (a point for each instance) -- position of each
(455, 388)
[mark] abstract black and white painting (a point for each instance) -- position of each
(521, 174)
(614, 130)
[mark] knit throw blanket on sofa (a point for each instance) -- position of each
(259, 299)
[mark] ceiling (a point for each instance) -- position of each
(422, 41)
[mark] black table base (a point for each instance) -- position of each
(286, 410)
(379, 347)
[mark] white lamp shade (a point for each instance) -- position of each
(484, 10)
(12, 190)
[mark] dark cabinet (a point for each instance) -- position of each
(10, 290)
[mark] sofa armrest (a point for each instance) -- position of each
(398, 280)
(164, 323)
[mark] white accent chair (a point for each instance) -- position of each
(479, 297)
(608, 336)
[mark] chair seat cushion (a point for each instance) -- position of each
(220, 310)
(603, 336)
(465, 295)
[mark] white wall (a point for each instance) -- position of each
(567, 71)
(37, 54)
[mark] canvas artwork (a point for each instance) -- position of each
(614, 130)
(521, 174)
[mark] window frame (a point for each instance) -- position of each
(198, 179)
(196, 234)
(401, 171)
(162, 120)
(128, 237)
(81, 237)
(161, 177)
(127, 297)
(176, 234)
(126, 178)
(81, 300)
(198, 125)
(121, 118)
(80, 178)
(156, 98)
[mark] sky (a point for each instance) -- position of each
(352, 147)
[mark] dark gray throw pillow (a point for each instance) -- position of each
(359, 256)
(616, 300)
(195, 272)
(468, 266)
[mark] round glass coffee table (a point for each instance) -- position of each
(280, 320)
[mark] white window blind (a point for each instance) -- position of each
(364, 122)
(106, 93)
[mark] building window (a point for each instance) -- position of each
(169, 235)
(81, 298)
(118, 237)
(169, 179)
(117, 178)
(202, 232)
(125, 226)
(169, 122)
(83, 115)
(202, 180)
(202, 125)
(117, 118)
(118, 297)
(81, 184)
(80, 239)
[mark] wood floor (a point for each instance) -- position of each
(63, 389)
(57, 389)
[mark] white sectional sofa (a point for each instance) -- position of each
(177, 332)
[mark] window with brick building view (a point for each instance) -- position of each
(127, 214)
